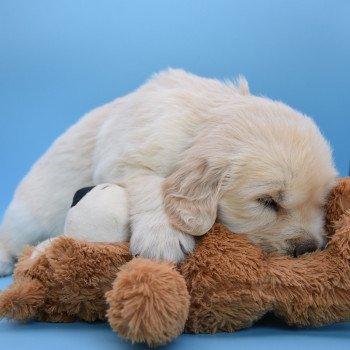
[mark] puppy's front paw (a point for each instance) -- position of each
(161, 242)
(6, 261)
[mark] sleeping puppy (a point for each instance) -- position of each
(188, 151)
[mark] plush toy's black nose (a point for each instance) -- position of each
(305, 246)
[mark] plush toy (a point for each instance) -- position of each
(225, 285)
(103, 210)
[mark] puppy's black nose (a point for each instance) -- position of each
(303, 247)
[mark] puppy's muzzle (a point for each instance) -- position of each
(300, 246)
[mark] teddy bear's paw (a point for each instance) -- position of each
(6, 261)
(161, 291)
(161, 242)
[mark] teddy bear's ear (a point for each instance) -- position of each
(338, 203)
(80, 194)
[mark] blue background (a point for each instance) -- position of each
(59, 59)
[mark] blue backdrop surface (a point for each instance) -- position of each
(59, 59)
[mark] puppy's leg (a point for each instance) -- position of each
(38, 209)
(152, 236)
(6, 261)
(43, 198)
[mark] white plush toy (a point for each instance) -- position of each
(98, 214)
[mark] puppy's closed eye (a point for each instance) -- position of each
(268, 202)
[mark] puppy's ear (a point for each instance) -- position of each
(191, 195)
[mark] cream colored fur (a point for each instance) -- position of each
(187, 150)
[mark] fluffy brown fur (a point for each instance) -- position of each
(66, 283)
(152, 302)
(225, 285)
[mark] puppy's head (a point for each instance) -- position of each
(279, 206)
(271, 185)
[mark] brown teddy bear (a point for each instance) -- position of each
(225, 285)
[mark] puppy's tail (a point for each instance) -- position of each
(22, 300)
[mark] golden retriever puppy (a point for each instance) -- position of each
(187, 151)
